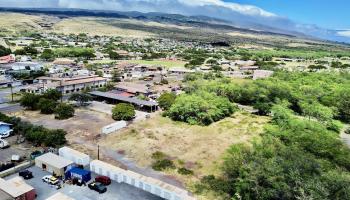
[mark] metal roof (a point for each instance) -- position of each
(117, 97)
(54, 160)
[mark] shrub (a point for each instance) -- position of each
(123, 111)
(47, 106)
(64, 111)
(30, 101)
(185, 171)
(158, 155)
(200, 109)
(166, 100)
(163, 164)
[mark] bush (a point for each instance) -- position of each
(166, 100)
(185, 171)
(64, 111)
(158, 155)
(163, 164)
(123, 111)
(200, 109)
(82, 98)
(47, 106)
(30, 101)
(52, 94)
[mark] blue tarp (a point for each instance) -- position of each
(81, 174)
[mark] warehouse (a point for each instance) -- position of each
(145, 183)
(74, 156)
(53, 163)
(16, 189)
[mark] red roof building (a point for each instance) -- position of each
(7, 59)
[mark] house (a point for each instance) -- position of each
(180, 71)
(7, 59)
(16, 189)
(53, 163)
(261, 74)
(5, 129)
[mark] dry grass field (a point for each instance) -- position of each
(196, 147)
(95, 27)
(14, 22)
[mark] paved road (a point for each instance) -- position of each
(10, 108)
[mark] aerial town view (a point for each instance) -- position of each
(174, 100)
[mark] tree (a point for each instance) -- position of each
(52, 94)
(47, 55)
(116, 75)
(82, 98)
(123, 111)
(47, 106)
(114, 55)
(30, 101)
(64, 111)
(4, 51)
(166, 100)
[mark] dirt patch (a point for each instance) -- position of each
(196, 147)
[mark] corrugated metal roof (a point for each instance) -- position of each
(54, 160)
(123, 98)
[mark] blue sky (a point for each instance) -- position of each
(332, 14)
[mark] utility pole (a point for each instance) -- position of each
(98, 152)
(11, 92)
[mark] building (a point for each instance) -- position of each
(7, 59)
(261, 74)
(180, 71)
(77, 173)
(5, 129)
(16, 189)
(114, 98)
(64, 62)
(59, 196)
(74, 156)
(133, 88)
(140, 181)
(66, 85)
(53, 163)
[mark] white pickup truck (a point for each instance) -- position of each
(3, 144)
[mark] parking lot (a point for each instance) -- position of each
(6, 154)
(115, 191)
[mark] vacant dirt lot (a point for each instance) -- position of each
(86, 125)
(196, 147)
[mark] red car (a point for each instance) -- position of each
(105, 180)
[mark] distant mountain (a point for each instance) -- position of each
(177, 19)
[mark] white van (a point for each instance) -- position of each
(6, 134)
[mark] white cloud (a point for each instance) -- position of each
(344, 33)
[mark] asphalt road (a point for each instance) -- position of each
(10, 108)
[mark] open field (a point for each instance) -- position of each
(14, 23)
(165, 63)
(196, 147)
(95, 27)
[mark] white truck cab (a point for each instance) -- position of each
(3, 144)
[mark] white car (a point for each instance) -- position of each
(50, 180)
(3, 144)
(6, 134)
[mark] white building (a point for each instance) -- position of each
(74, 156)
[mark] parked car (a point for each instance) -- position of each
(98, 187)
(4, 144)
(35, 154)
(26, 174)
(105, 180)
(50, 180)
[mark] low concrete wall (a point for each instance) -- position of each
(16, 169)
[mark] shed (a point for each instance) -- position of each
(74, 156)
(59, 196)
(81, 174)
(53, 163)
(17, 188)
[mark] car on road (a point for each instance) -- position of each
(4, 144)
(105, 180)
(26, 174)
(50, 180)
(98, 187)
